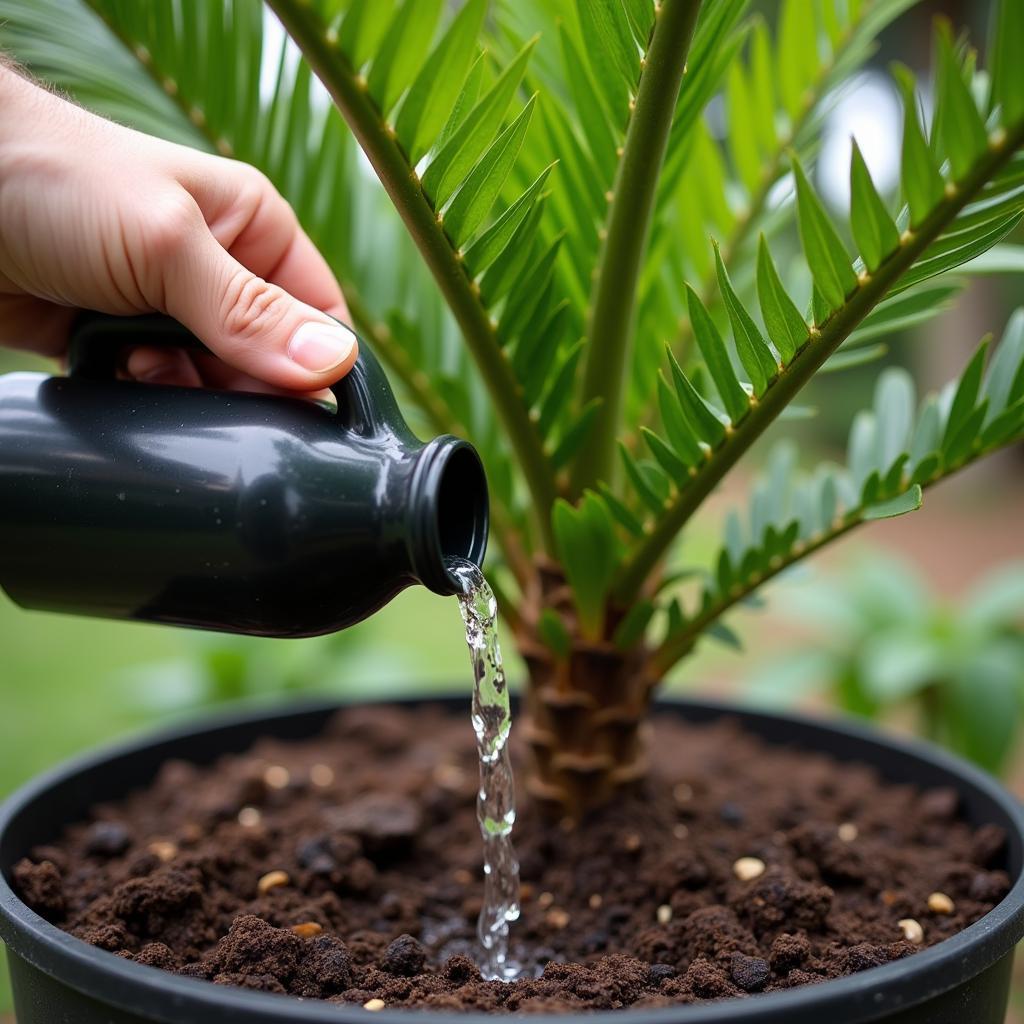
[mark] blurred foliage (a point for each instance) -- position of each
(885, 644)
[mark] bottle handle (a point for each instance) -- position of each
(97, 340)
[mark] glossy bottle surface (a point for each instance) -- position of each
(223, 510)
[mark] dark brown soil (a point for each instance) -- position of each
(366, 848)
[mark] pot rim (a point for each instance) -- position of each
(136, 988)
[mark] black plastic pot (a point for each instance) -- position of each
(59, 980)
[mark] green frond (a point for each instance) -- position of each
(896, 449)
(949, 224)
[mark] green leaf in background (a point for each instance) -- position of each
(402, 50)
(873, 228)
(432, 95)
(797, 58)
(1007, 66)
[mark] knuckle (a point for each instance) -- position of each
(169, 225)
(251, 307)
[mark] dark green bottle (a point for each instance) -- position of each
(222, 510)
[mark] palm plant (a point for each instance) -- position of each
(550, 286)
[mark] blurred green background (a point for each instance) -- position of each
(906, 623)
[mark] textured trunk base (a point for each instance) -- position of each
(587, 713)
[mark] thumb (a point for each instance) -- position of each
(251, 324)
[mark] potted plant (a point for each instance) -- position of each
(562, 302)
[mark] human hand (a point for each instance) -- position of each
(97, 216)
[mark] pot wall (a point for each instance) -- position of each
(58, 979)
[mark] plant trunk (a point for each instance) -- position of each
(587, 709)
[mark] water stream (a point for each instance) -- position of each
(496, 800)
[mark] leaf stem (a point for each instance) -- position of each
(609, 326)
(349, 92)
(820, 344)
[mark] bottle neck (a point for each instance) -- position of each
(447, 512)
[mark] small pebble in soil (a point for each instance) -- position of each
(633, 842)
(373, 1005)
(405, 956)
(912, 930)
(847, 832)
(321, 775)
(249, 817)
(732, 814)
(746, 869)
(163, 850)
(682, 793)
(595, 901)
(749, 972)
(463, 876)
(680, 831)
(940, 903)
(545, 900)
(660, 972)
(664, 914)
(272, 880)
(107, 839)
(277, 777)
(307, 930)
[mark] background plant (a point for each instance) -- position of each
(883, 645)
(549, 287)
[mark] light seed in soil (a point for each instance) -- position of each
(682, 793)
(307, 930)
(633, 842)
(557, 918)
(746, 869)
(449, 776)
(848, 832)
(680, 831)
(272, 880)
(595, 901)
(912, 931)
(664, 914)
(163, 850)
(249, 817)
(545, 900)
(462, 876)
(940, 903)
(277, 777)
(373, 1005)
(321, 775)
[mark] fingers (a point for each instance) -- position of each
(255, 325)
(34, 325)
(163, 366)
(251, 219)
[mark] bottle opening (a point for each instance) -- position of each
(453, 513)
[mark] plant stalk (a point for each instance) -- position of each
(350, 94)
(820, 344)
(610, 326)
